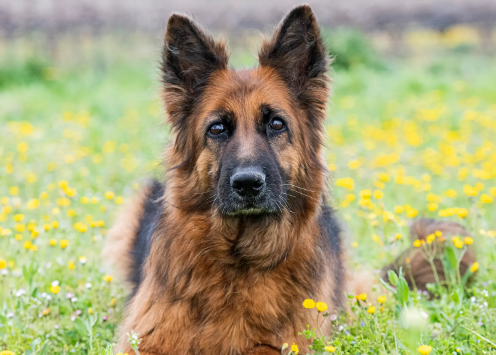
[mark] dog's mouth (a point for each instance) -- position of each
(249, 208)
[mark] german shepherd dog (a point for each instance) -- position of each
(221, 256)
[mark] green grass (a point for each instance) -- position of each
(72, 133)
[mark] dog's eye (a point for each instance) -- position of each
(216, 129)
(276, 124)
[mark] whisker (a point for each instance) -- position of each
(299, 187)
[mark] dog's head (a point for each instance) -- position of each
(247, 142)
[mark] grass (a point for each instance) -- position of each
(403, 141)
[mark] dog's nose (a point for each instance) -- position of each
(248, 182)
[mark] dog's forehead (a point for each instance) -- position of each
(246, 90)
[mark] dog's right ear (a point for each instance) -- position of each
(190, 57)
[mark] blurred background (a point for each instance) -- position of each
(41, 39)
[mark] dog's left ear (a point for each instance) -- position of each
(297, 52)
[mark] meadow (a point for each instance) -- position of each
(406, 138)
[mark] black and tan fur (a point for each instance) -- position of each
(214, 270)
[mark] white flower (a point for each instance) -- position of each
(20, 292)
(55, 283)
(88, 285)
(10, 315)
(4, 272)
(74, 299)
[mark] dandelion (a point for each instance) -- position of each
(424, 349)
(27, 245)
(90, 311)
(3, 264)
(486, 198)
(381, 299)
(64, 243)
(53, 242)
(438, 234)
(294, 348)
(54, 224)
(108, 278)
(7, 352)
(330, 349)
(430, 238)
(55, 289)
(378, 194)
(399, 209)
(474, 267)
(468, 240)
(308, 303)
(371, 310)
(321, 306)
(457, 242)
(462, 212)
(71, 265)
(417, 243)
(18, 217)
(109, 195)
(361, 297)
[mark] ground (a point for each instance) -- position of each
(411, 138)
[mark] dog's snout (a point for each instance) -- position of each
(248, 182)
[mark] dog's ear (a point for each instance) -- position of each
(296, 51)
(190, 57)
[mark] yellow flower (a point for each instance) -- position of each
(470, 191)
(45, 312)
(64, 243)
(462, 212)
(53, 242)
(18, 237)
(430, 238)
(109, 195)
(90, 311)
(308, 303)
(438, 234)
(55, 289)
(468, 240)
(71, 265)
(121, 353)
(119, 200)
(457, 242)
(14, 190)
(107, 278)
(46, 227)
(34, 247)
(424, 349)
(381, 299)
(63, 184)
(378, 194)
(294, 348)
(398, 236)
(55, 224)
(330, 349)
(474, 267)
(321, 306)
(365, 194)
(354, 244)
(7, 352)
(486, 198)
(371, 310)
(399, 209)
(27, 245)
(44, 195)
(417, 243)
(361, 297)
(3, 264)
(18, 217)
